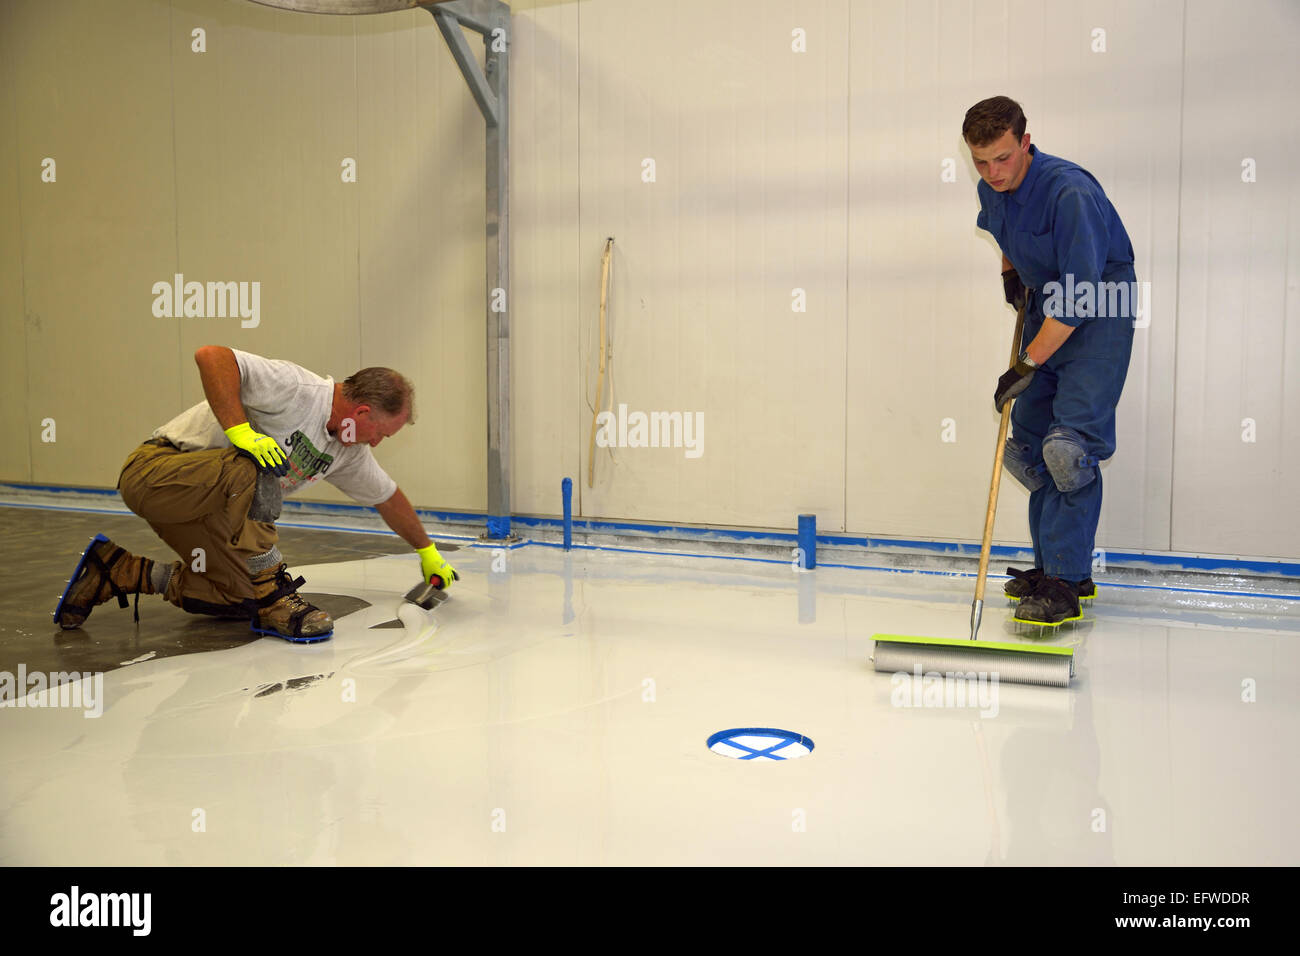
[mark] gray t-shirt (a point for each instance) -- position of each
(292, 405)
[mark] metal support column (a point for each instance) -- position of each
(490, 88)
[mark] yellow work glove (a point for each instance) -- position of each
(434, 565)
(261, 448)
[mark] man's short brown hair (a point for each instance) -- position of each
(987, 120)
(383, 389)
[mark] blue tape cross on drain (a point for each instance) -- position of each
(760, 743)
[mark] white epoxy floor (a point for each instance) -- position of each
(557, 711)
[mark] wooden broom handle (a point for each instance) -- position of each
(989, 516)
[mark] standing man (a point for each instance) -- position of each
(1067, 259)
(211, 480)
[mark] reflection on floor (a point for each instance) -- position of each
(556, 710)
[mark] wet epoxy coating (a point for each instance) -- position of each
(556, 710)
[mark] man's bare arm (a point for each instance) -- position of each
(219, 373)
(401, 517)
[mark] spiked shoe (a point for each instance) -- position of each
(1022, 585)
(105, 571)
(282, 613)
(1052, 603)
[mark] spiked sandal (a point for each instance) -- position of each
(105, 571)
(1022, 585)
(1053, 603)
(282, 613)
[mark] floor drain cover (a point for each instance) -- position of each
(760, 743)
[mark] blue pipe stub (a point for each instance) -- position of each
(566, 492)
(760, 743)
(808, 541)
(498, 527)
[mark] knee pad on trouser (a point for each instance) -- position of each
(1017, 461)
(267, 497)
(1067, 459)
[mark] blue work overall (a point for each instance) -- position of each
(1071, 251)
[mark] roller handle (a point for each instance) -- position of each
(991, 513)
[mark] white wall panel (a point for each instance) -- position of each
(775, 170)
(547, 259)
(15, 453)
(748, 204)
(1239, 272)
(928, 330)
(93, 241)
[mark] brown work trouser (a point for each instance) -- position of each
(200, 499)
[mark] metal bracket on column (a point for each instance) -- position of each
(449, 22)
(491, 91)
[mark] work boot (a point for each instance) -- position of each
(282, 613)
(1022, 585)
(104, 571)
(1053, 602)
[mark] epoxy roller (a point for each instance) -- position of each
(1050, 665)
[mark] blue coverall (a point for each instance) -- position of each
(1058, 226)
